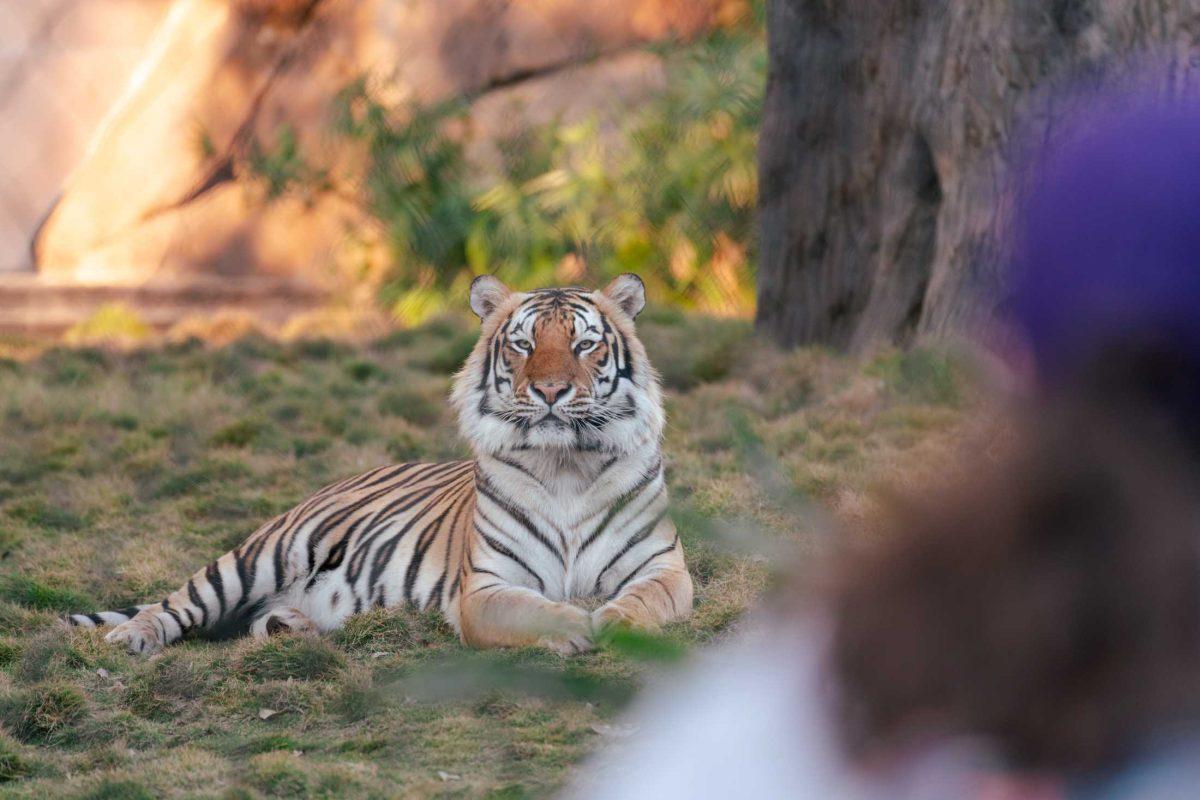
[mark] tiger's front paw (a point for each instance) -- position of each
(611, 615)
(283, 620)
(139, 635)
(572, 632)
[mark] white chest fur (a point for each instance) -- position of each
(582, 508)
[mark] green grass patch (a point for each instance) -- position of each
(238, 434)
(46, 713)
(363, 371)
(920, 375)
(13, 765)
(118, 789)
(448, 358)
(413, 406)
(122, 473)
(298, 657)
(25, 591)
(41, 514)
(161, 690)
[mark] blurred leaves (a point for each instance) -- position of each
(479, 675)
(641, 645)
(670, 196)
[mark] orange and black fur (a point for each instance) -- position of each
(564, 501)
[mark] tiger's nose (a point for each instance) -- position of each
(550, 391)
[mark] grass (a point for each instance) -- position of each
(120, 473)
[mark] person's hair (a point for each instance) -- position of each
(1047, 598)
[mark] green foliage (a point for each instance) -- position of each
(641, 645)
(282, 167)
(670, 195)
(111, 323)
(415, 183)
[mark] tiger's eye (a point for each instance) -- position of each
(585, 345)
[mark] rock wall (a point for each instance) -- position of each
(888, 136)
(62, 66)
(155, 197)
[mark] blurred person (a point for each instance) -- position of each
(1031, 627)
(1045, 606)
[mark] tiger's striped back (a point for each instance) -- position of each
(387, 537)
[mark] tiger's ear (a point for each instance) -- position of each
(628, 292)
(487, 293)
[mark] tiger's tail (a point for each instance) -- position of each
(100, 618)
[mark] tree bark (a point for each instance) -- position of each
(889, 134)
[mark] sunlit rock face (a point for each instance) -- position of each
(155, 199)
(62, 66)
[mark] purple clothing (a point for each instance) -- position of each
(1108, 239)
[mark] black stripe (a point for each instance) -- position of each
(504, 551)
(487, 366)
(484, 487)
(247, 567)
(623, 502)
(175, 616)
(388, 549)
(213, 573)
(424, 542)
(277, 561)
(667, 592)
(198, 602)
(394, 509)
(439, 588)
(519, 468)
(639, 567)
(638, 597)
(634, 540)
(471, 562)
(340, 515)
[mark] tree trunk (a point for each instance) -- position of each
(888, 136)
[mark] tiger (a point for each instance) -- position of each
(562, 508)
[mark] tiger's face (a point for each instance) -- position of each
(558, 369)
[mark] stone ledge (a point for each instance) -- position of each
(33, 306)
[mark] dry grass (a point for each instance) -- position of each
(120, 473)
